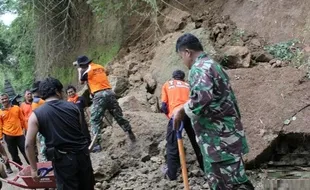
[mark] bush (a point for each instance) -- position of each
(285, 51)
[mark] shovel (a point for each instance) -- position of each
(182, 156)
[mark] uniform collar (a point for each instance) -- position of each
(201, 56)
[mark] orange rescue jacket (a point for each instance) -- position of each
(12, 121)
(175, 93)
(96, 78)
(27, 110)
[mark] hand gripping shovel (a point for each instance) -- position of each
(182, 156)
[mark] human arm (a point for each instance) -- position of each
(83, 76)
(22, 119)
(33, 128)
(201, 92)
(164, 99)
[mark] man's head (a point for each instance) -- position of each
(35, 88)
(188, 47)
(178, 75)
(51, 87)
(28, 96)
(83, 61)
(4, 98)
(71, 91)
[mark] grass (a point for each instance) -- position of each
(66, 75)
(104, 54)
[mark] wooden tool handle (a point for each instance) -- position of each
(183, 164)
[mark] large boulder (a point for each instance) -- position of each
(267, 98)
(175, 20)
(150, 81)
(261, 56)
(119, 85)
(105, 167)
(237, 56)
(166, 60)
(131, 103)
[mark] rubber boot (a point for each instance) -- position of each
(131, 136)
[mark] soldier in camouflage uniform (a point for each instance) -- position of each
(103, 97)
(215, 116)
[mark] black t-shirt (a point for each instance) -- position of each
(81, 103)
(59, 123)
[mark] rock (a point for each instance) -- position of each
(155, 159)
(162, 147)
(120, 72)
(119, 85)
(98, 185)
(206, 186)
(135, 80)
(132, 68)
(237, 56)
(106, 169)
(278, 63)
(104, 185)
(153, 100)
(262, 56)
(271, 62)
(256, 42)
(133, 104)
(150, 83)
(145, 157)
(149, 96)
(144, 170)
(175, 20)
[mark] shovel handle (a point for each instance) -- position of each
(183, 164)
(91, 146)
(179, 131)
(182, 156)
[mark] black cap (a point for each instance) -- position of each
(35, 86)
(83, 60)
(178, 75)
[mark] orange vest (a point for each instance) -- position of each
(27, 110)
(175, 93)
(37, 103)
(97, 78)
(12, 121)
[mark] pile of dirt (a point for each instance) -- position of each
(268, 97)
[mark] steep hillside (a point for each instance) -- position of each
(269, 89)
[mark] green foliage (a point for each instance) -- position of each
(120, 8)
(104, 54)
(285, 51)
(65, 74)
(17, 57)
(104, 8)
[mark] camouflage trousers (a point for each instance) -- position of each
(102, 101)
(42, 147)
(226, 175)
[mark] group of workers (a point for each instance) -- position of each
(205, 105)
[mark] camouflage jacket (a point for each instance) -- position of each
(214, 112)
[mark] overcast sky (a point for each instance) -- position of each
(7, 18)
